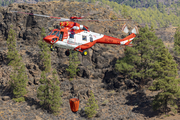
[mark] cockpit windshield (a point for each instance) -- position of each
(54, 32)
(50, 32)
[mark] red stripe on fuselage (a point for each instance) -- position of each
(83, 47)
(112, 40)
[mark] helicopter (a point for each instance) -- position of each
(73, 36)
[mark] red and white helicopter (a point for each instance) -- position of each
(73, 36)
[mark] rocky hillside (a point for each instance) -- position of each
(28, 28)
(115, 99)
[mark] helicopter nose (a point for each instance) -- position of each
(48, 40)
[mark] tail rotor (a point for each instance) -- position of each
(126, 30)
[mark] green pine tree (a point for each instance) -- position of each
(18, 76)
(92, 106)
(49, 93)
(19, 82)
(56, 94)
(177, 41)
(12, 54)
(43, 92)
(124, 11)
(149, 59)
(138, 61)
(45, 52)
(166, 82)
(73, 64)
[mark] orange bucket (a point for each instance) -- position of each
(74, 104)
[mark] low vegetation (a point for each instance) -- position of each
(92, 106)
(73, 64)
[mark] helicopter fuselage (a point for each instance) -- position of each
(81, 40)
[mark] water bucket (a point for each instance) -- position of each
(74, 104)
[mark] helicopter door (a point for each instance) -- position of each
(71, 38)
(71, 43)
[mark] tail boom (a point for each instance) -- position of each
(107, 40)
(111, 40)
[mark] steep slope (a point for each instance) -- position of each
(28, 29)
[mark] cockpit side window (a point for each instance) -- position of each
(54, 32)
(61, 36)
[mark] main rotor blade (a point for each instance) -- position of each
(99, 20)
(62, 19)
(74, 18)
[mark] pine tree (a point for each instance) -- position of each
(18, 76)
(45, 52)
(56, 94)
(49, 93)
(92, 106)
(73, 64)
(149, 59)
(43, 91)
(177, 41)
(138, 61)
(19, 83)
(124, 11)
(166, 82)
(12, 54)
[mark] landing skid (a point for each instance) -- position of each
(52, 48)
(67, 53)
(84, 53)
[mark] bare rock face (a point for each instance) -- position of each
(5, 98)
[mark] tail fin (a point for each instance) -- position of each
(128, 40)
(134, 30)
